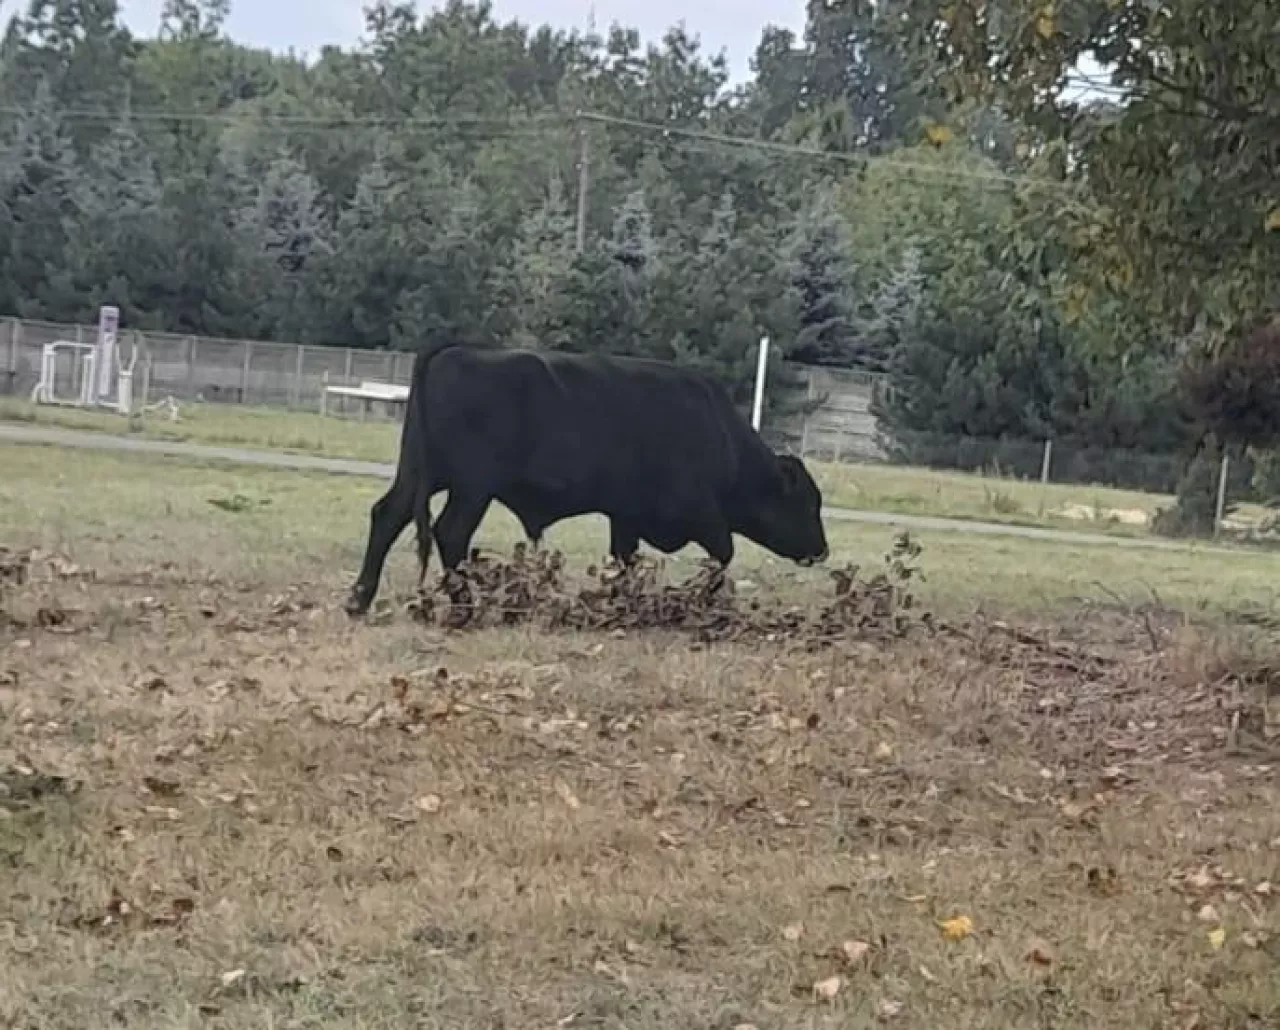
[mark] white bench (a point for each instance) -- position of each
(368, 393)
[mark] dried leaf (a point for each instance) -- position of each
(1217, 938)
(1040, 954)
(855, 951)
(567, 795)
(826, 990)
(1104, 881)
(793, 932)
(1207, 914)
(938, 135)
(429, 803)
(232, 978)
(1272, 223)
(884, 751)
(957, 929)
(159, 787)
(888, 1009)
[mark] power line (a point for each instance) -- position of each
(304, 121)
(797, 150)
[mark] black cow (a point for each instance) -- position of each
(660, 450)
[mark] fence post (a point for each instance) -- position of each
(1046, 461)
(244, 371)
(191, 366)
(762, 365)
(15, 334)
(297, 376)
(1220, 509)
(804, 424)
(146, 382)
(391, 367)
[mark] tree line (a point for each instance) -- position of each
(895, 190)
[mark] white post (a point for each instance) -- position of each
(1045, 461)
(1221, 507)
(108, 324)
(762, 365)
(124, 391)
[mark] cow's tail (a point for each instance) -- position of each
(414, 449)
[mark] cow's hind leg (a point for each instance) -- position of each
(624, 543)
(390, 514)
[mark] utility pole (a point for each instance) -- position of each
(584, 183)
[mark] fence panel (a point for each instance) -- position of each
(167, 365)
(269, 373)
(317, 362)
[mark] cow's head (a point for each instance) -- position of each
(786, 516)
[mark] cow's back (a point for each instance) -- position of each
(595, 433)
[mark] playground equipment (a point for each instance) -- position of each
(92, 367)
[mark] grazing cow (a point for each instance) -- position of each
(660, 450)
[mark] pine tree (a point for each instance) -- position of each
(285, 232)
(823, 274)
(43, 180)
(124, 239)
(537, 272)
(894, 313)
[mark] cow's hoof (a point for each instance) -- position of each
(356, 605)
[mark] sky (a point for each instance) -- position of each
(731, 26)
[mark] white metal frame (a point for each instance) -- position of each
(92, 369)
(85, 372)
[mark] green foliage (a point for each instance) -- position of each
(425, 185)
(1234, 392)
(1180, 153)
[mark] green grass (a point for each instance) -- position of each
(881, 488)
(256, 525)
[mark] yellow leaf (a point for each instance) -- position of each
(567, 795)
(1046, 26)
(957, 929)
(1217, 938)
(1273, 220)
(938, 134)
(826, 990)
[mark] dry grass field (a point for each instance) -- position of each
(223, 804)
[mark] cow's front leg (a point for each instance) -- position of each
(387, 520)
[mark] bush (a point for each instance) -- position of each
(1196, 502)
